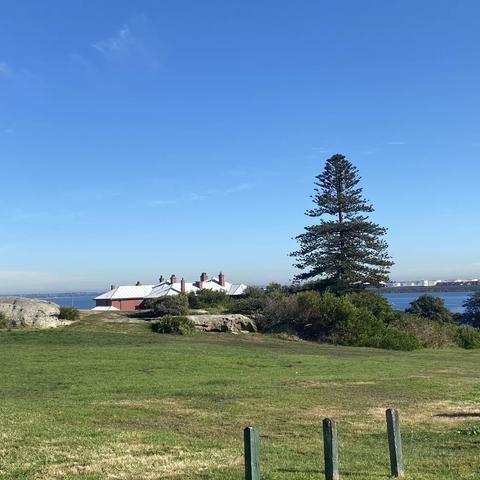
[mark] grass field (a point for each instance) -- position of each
(107, 400)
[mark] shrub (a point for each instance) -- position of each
(208, 299)
(279, 314)
(374, 302)
(69, 313)
(176, 325)
(396, 339)
(320, 314)
(3, 321)
(169, 305)
(359, 328)
(472, 310)
(468, 337)
(248, 305)
(254, 292)
(429, 333)
(432, 307)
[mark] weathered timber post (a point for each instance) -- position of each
(251, 441)
(330, 449)
(395, 443)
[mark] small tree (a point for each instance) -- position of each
(472, 310)
(344, 248)
(432, 307)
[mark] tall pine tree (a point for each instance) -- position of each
(344, 249)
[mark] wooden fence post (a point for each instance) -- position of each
(251, 440)
(330, 449)
(395, 443)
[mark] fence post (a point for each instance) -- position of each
(251, 441)
(330, 449)
(395, 443)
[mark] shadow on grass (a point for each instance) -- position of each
(459, 415)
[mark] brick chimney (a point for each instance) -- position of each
(113, 287)
(204, 277)
(221, 279)
(161, 279)
(173, 279)
(182, 286)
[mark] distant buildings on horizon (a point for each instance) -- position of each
(434, 283)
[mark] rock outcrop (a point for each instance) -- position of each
(233, 323)
(23, 312)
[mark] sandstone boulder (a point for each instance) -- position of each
(233, 323)
(23, 312)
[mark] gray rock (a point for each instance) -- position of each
(23, 312)
(233, 323)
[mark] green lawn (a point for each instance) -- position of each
(101, 400)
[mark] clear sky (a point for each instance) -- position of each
(148, 137)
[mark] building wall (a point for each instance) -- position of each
(127, 304)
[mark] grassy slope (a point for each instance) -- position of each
(103, 400)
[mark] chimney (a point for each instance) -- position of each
(173, 279)
(204, 277)
(113, 287)
(221, 279)
(138, 283)
(182, 286)
(161, 279)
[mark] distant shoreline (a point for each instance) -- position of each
(449, 288)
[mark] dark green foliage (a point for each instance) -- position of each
(472, 310)
(169, 305)
(374, 302)
(344, 249)
(280, 314)
(429, 333)
(254, 292)
(247, 305)
(396, 339)
(69, 313)
(208, 299)
(177, 325)
(468, 337)
(3, 321)
(432, 307)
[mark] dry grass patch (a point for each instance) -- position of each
(433, 413)
(174, 406)
(139, 461)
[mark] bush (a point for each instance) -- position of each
(175, 325)
(374, 302)
(429, 333)
(69, 313)
(248, 305)
(358, 328)
(254, 292)
(279, 314)
(169, 305)
(432, 307)
(472, 310)
(396, 339)
(468, 337)
(3, 321)
(208, 299)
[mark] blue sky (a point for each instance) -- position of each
(149, 137)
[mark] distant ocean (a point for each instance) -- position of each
(453, 300)
(82, 300)
(399, 301)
